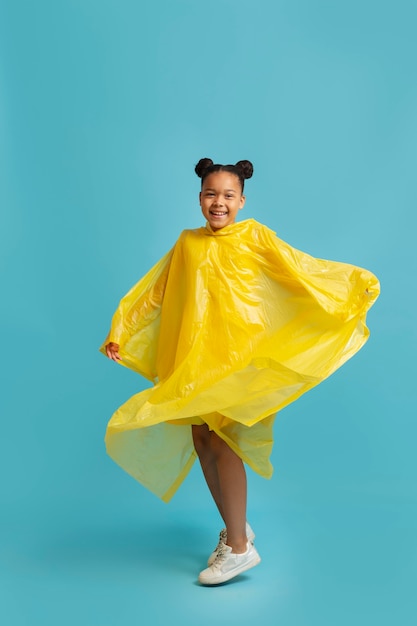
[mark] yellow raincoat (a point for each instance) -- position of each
(230, 326)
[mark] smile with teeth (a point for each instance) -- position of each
(218, 213)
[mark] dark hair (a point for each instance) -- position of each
(242, 169)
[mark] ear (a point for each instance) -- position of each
(199, 198)
(242, 202)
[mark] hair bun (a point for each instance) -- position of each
(245, 168)
(202, 165)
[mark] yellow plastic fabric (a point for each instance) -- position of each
(230, 326)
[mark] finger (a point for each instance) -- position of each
(115, 355)
(112, 351)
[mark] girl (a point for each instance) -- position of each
(231, 325)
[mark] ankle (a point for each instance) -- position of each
(238, 547)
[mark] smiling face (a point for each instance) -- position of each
(221, 198)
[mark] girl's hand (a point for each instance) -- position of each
(112, 351)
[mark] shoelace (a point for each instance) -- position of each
(223, 536)
(220, 556)
(222, 539)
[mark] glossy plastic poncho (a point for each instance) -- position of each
(230, 326)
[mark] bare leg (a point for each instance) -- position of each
(226, 478)
(202, 444)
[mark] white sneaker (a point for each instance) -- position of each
(228, 564)
(223, 538)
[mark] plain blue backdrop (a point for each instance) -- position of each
(105, 107)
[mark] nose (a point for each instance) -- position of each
(218, 201)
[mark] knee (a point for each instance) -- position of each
(218, 446)
(208, 444)
(201, 439)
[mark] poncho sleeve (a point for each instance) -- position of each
(342, 290)
(137, 318)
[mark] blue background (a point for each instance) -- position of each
(105, 107)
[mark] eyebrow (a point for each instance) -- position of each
(211, 189)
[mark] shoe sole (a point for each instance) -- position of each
(230, 574)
